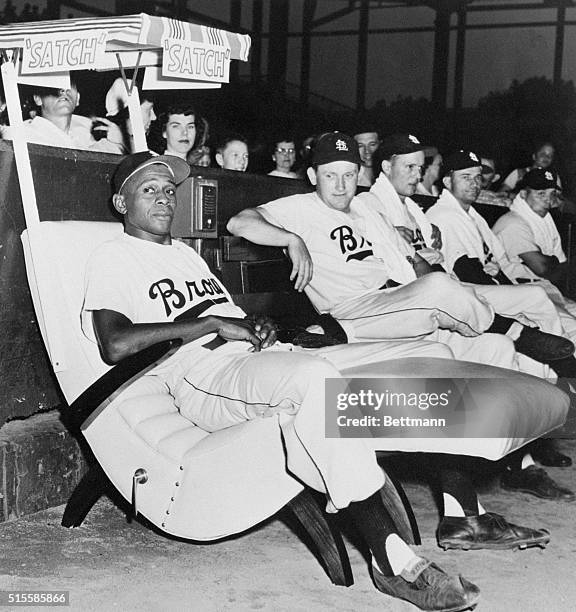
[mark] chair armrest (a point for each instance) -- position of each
(108, 386)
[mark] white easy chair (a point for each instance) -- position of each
(185, 481)
(203, 486)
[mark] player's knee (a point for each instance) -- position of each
(315, 368)
(439, 350)
(440, 281)
(500, 350)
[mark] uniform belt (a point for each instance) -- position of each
(214, 343)
(389, 284)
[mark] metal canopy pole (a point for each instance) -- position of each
(135, 113)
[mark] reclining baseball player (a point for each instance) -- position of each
(142, 288)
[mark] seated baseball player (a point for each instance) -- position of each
(530, 236)
(142, 288)
(332, 238)
(400, 159)
(473, 252)
(393, 196)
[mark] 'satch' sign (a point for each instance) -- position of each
(184, 59)
(62, 52)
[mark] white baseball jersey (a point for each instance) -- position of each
(523, 231)
(154, 283)
(468, 234)
(345, 262)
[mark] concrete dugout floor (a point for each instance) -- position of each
(107, 564)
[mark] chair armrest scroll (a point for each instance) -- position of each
(108, 386)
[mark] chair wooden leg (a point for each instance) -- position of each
(398, 505)
(327, 539)
(89, 490)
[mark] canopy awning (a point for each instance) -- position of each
(184, 54)
(128, 32)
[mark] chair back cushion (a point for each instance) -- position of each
(56, 254)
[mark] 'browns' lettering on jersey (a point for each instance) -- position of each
(175, 299)
(351, 246)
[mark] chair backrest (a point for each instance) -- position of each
(56, 253)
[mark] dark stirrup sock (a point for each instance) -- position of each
(500, 325)
(564, 368)
(375, 524)
(460, 487)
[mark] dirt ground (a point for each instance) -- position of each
(107, 564)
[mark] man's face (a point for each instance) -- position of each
(180, 133)
(404, 172)
(61, 103)
(488, 172)
(368, 142)
(433, 170)
(465, 185)
(284, 155)
(540, 200)
(147, 201)
(234, 156)
(335, 183)
(544, 157)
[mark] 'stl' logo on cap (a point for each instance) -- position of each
(413, 139)
(549, 176)
(341, 145)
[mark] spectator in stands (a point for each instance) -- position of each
(284, 156)
(58, 126)
(487, 194)
(200, 155)
(232, 153)
(178, 124)
(430, 173)
(368, 142)
(542, 157)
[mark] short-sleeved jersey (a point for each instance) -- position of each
(152, 283)
(345, 266)
(523, 231)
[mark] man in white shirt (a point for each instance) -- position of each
(528, 231)
(368, 143)
(57, 126)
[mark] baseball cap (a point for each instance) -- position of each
(335, 146)
(460, 161)
(131, 164)
(540, 178)
(400, 144)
